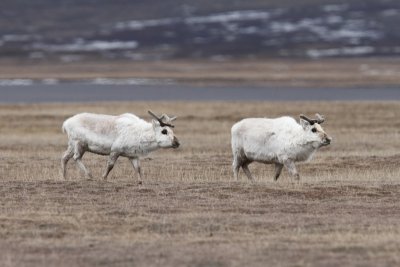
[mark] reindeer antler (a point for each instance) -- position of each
(159, 119)
(167, 118)
(320, 119)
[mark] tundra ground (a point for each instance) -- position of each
(342, 72)
(189, 211)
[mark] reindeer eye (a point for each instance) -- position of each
(164, 131)
(314, 130)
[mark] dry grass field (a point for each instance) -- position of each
(345, 72)
(189, 211)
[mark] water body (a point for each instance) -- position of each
(86, 92)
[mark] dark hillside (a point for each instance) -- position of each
(152, 29)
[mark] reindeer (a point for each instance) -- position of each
(280, 141)
(125, 135)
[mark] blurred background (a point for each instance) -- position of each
(196, 42)
(77, 30)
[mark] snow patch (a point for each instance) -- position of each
(334, 8)
(50, 81)
(129, 81)
(225, 17)
(390, 12)
(16, 37)
(140, 24)
(16, 82)
(344, 51)
(88, 46)
(229, 16)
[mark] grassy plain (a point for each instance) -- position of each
(189, 211)
(345, 72)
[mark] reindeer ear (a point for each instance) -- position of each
(304, 123)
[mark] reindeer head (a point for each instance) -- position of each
(314, 131)
(164, 135)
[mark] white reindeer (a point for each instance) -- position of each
(125, 135)
(281, 141)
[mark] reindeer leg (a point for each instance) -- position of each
(79, 150)
(68, 154)
(110, 164)
(246, 170)
(278, 170)
(289, 164)
(235, 168)
(136, 165)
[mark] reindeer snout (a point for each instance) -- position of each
(328, 140)
(175, 143)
